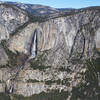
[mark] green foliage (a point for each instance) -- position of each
(91, 74)
(96, 63)
(96, 51)
(90, 89)
(63, 82)
(37, 18)
(84, 92)
(3, 66)
(36, 66)
(63, 68)
(0, 81)
(38, 62)
(75, 61)
(53, 95)
(49, 82)
(4, 96)
(32, 81)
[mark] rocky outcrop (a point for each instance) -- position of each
(69, 35)
(97, 38)
(3, 56)
(61, 53)
(11, 17)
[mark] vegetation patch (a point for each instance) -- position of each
(98, 49)
(4, 96)
(0, 81)
(63, 68)
(37, 18)
(32, 81)
(3, 66)
(75, 61)
(38, 62)
(59, 82)
(90, 89)
(36, 65)
(53, 95)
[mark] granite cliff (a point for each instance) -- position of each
(46, 56)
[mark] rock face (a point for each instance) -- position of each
(3, 57)
(97, 38)
(11, 17)
(62, 53)
(65, 35)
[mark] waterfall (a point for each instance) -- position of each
(34, 45)
(11, 88)
(98, 78)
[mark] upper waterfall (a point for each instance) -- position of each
(34, 45)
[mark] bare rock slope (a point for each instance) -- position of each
(55, 55)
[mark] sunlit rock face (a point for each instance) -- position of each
(97, 39)
(3, 56)
(69, 33)
(11, 17)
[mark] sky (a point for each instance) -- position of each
(62, 3)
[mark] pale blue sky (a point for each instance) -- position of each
(62, 3)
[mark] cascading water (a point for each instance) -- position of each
(34, 45)
(9, 86)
